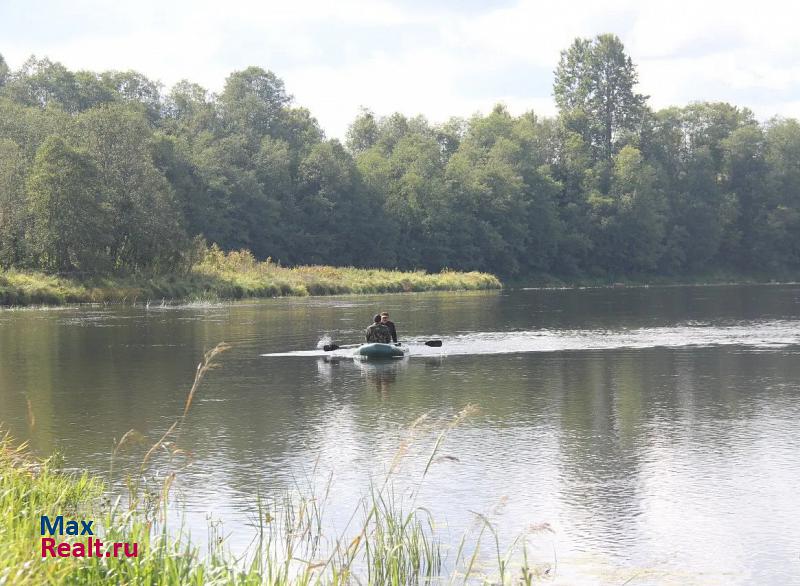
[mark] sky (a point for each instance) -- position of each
(437, 58)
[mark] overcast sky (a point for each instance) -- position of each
(441, 59)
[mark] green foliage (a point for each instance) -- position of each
(332, 214)
(3, 71)
(363, 132)
(40, 82)
(253, 102)
(65, 209)
(629, 223)
(594, 89)
(143, 224)
(782, 184)
(607, 189)
(13, 206)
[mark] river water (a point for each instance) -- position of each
(643, 434)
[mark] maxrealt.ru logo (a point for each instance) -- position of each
(92, 547)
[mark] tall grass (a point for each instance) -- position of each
(388, 540)
(234, 275)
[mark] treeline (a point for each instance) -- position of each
(107, 173)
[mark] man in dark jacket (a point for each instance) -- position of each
(389, 324)
(377, 332)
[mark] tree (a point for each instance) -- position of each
(144, 223)
(545, 232)
(402, 173)
(391, 129)
(92, 91)
(338, 225)
(132, 87)
(13, 220)
(188, 111)
(413, 197)
(500, 214)
(639, 220)
(66, 214)
(274, 166)
(300, 130)
(29, 126)
(363, 132)
(449, 136)
(594, 90)
(782, 230)
(488, 182)
(3, 71)
(40, 82)
(253, 101)
(606, 188)
(688, 150)
(745, 174)
(575, 178)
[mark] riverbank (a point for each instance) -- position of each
(236, 275)
(708, 278)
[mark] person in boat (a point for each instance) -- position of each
(389, 324)
(377, 332)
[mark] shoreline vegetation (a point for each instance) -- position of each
(390, 539)
(230, 276)
(237, 275)
(699, 280)
(110, 177)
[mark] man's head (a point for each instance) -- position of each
(384, 316)
(377, 318)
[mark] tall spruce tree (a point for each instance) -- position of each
(595, 91)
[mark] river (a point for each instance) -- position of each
(648, 434)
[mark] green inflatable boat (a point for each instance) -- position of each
(378, 350)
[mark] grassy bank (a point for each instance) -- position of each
(236, 275)
(390, 539)
(706, 278)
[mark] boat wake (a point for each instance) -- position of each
(764, 335)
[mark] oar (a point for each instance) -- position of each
(332, 347)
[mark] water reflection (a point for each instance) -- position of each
(381, 374)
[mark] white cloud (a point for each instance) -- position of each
(737, 51)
